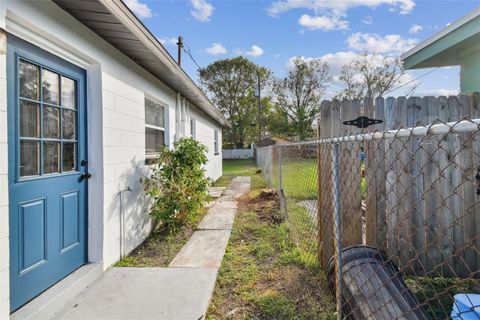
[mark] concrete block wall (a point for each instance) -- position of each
(124, 167)
(205, 134)
(237, 153)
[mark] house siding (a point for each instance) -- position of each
(116, 89)
(205, 129)
(470, 73)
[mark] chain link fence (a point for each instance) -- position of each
(390, 209)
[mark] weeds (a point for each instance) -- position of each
(264, 275)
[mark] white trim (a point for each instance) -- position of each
(154, 127)
(24, 29)
(455, 25)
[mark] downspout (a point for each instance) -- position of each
(178, 102)
(122, 221)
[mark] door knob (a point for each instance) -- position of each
(86, 175)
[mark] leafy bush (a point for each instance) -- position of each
(177, 185)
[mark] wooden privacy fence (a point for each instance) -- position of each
(418, 193)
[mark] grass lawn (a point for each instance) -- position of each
(243, 167)
(264, 275)
(299, 179)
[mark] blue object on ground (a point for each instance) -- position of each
(466, 307)
(362, 156)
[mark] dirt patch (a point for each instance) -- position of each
(266, 205)
(263, 275)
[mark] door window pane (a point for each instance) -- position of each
(154, 140)
(29, 79)
(51, 122)
(29, 158)
(68, 93)
(50, 87)
(51, 157)
(69, 156)
(69, 124)
(154, 114)
(29, 119)
(48, 125)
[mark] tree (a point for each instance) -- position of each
(298, 95)
(369, 76)
(231, 84)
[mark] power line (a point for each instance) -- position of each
(189, 53)
(403, 85)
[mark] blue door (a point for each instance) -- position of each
(47, 169)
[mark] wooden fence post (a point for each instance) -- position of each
(375, 180)
(325, 194)
(319, 196)
(350, 173)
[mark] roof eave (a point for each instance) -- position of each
(413, 58)
(176, 78)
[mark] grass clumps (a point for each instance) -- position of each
(159, 249)
(263, 275)
(436, 294)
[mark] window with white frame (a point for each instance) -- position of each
(193, 128)
(154, 128)
(215, 142)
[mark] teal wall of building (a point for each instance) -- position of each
(470, 73)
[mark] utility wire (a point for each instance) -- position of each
(189, 53)
(403, 85)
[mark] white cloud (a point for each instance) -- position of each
(337, 6)
(168, 41)
(255, 51)
(140, 9)
(202, 10)
(368, 20)
(325, 23)
(331, 14)
(216, 49)
(436, 92)
(415, 28)
(371, 42)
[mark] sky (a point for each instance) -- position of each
(271, 33)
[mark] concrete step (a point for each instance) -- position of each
(218, 218)
(145, 294)
(205, 249)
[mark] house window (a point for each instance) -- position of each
(193, 128)
(154, 128)
(215, 142)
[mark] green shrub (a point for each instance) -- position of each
(178, 185)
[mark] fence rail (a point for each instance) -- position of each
(408, 187)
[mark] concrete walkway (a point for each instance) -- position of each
(180, 292)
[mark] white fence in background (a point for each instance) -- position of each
(237, 153)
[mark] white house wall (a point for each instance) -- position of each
(116, 90)
(4, 233)
(205, 134)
